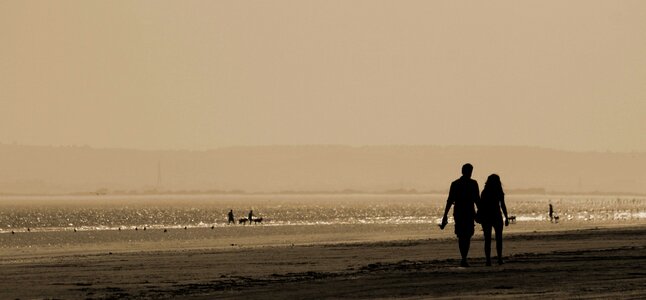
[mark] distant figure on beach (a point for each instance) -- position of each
(231, 219)
(492, 200)
(464, 194)
(250, 216)
(551, 213)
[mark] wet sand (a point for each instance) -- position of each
(602, 262)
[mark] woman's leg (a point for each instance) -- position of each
(486, 229)
(498, 229)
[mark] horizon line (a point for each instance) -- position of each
(85, 146)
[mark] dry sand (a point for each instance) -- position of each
(605, 262)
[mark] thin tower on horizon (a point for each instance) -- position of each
(159, 175)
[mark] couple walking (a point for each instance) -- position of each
(464, 194)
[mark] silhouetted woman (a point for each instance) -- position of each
(492, 200)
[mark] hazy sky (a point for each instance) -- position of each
(203, 74)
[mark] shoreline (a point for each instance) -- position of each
(25, 245)
(404, 268)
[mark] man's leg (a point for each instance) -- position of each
(464, 243)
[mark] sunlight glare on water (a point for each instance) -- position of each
(59, 213)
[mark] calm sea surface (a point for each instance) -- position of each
(64, 213)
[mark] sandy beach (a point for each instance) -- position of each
(255, 150)
(595, 262)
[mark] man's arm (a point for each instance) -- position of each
(445, 219)
(449, 201)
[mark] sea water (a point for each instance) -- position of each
(114, 212)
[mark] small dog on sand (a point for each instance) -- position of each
(243, 221)
(256, 221)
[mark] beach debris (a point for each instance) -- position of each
(165, 230)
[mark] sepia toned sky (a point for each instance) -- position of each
(202, 74)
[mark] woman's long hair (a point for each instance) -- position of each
(493, 186)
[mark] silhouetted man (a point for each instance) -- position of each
(250, 216)
(551, 213)
(231, 220)
(464, 194)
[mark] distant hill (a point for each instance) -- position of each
(44, 169)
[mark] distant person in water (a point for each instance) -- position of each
(491, 202)
(464, 194)
(230, 214)
(551, 213)
(250, 216)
